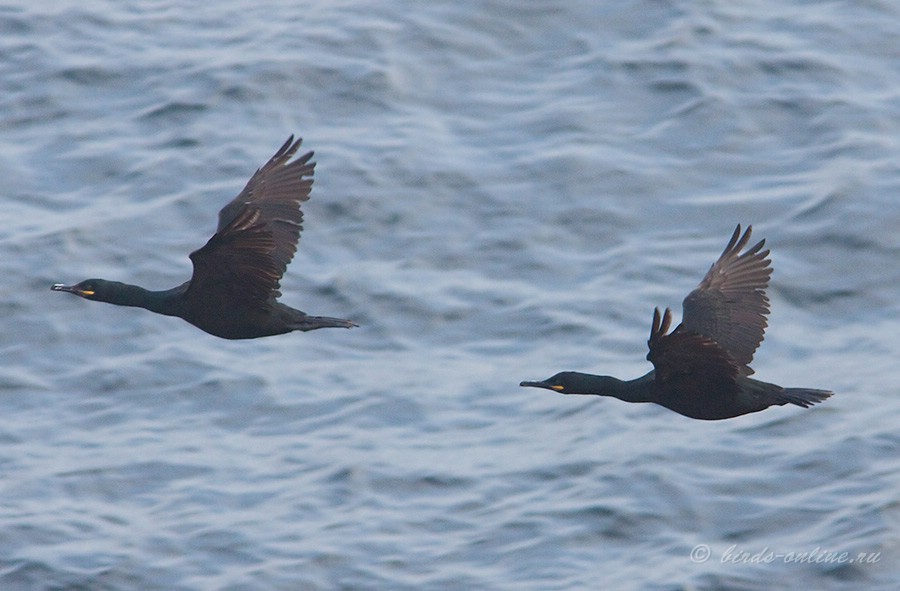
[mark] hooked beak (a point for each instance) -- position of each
(544, 385)
(71, 289)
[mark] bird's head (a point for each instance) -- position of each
(89, 289)
(566, 382)
(573, 382)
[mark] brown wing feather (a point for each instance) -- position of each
(689, 364)
(257, 233)
(730, 304)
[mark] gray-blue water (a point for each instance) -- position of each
(504, 190)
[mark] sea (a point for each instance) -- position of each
(504, 190)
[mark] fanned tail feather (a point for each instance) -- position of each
(804, 397)
(314, 322)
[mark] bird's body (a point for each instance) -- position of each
(750, 395)
(701, 369)
(233, 292)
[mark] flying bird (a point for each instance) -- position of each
(233, 292)
(701, 369)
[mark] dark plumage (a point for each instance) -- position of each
(701, 368)
(235, 285)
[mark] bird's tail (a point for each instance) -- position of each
(804, 397)
(314, 322)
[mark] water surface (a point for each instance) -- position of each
(503, 190)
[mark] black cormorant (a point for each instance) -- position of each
(701, 368)
(234, 289)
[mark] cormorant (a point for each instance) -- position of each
(234, 288)
(701, 368)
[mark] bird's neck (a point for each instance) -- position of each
(162, 302)
(638, 390)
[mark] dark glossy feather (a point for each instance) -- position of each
(257, 235)
(730, 304)
(688, 364)
(688, 360)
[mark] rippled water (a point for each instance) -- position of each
(503, 190)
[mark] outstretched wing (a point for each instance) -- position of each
(730, 304)
(688, 363)
(257, 233)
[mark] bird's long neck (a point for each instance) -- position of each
(638, 390)
(162, 302)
